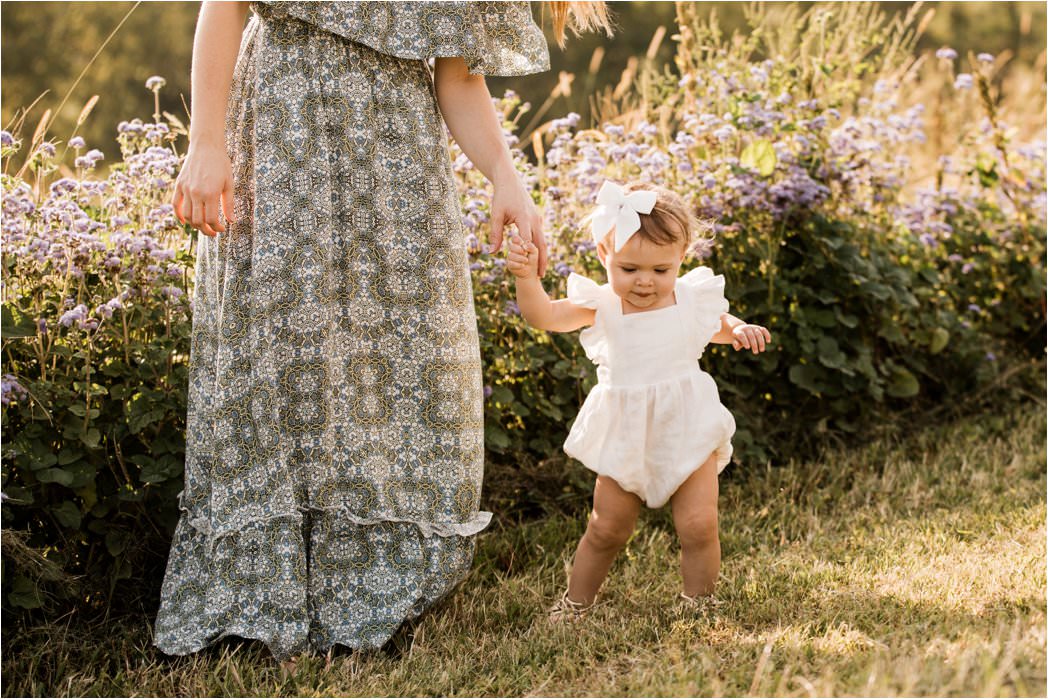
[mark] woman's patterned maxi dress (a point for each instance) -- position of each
(334, 448)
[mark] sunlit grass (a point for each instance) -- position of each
(899, 569)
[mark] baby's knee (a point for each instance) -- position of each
(697, 528)
(608, 533)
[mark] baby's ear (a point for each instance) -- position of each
(602, 253)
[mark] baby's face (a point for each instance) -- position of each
(642, 273)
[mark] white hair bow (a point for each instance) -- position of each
(618, 209)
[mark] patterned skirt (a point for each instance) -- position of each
(334, 444)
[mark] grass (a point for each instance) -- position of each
(902, 569)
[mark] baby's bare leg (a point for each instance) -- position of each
(610, 525)
(695, 518)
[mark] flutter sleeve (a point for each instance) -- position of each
(583, 291)
(703, 293)
(587, 293)
(494, 38)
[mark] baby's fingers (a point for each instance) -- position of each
(516, 258)
(761, 337)
(756, 340)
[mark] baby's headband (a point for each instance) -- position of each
(621, 210)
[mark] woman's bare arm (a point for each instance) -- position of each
(206, 176)
(467, 110)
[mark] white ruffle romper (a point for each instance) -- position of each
(654, 416)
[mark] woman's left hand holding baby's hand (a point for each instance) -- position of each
(751, 337)
(512, 204)
(523, 258)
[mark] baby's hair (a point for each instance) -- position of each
(671, 221)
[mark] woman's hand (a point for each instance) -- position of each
(513, 205)
(751, 337)
(204, 183)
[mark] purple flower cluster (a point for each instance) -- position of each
(752, 151)
(11, 390)
(83, 249)
(89, 159)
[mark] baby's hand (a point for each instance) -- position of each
(523, 258)
(751, 337)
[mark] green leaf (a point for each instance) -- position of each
(496, 438)
(91, 438)
(68, 455)
(876, 290)
(760, 156)
(826, 296)
(42, 459)
(55, 475)
(24, 594)
(89, 494)
(139, 422)
(116, 542)
(14, 324)
(162, 469)
(807, 377)
(80, 410)
(830, 354)
(501, 394)
(940, 338)
(891, 333)
(846, 319)
(67, 514)
(902, 383)
(82, 473)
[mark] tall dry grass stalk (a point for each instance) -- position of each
(844, 53)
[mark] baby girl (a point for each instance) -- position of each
(653, 428)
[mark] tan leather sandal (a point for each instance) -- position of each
(705, 606)
(567, 609)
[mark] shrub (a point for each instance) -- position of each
(890, 294)
(887, 293)
(96, 323)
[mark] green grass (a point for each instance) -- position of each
(901, 569)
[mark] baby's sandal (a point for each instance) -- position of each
(567, 609)
(704, 606)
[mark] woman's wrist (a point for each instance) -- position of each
(505, 175)
(207, 139)
(205, 143)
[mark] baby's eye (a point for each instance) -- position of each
(661, 271)
(628, 270)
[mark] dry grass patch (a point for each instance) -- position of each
(902, 569)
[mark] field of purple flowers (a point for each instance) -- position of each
(882, 213)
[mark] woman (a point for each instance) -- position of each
(334, 447)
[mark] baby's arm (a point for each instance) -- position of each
(535, 306)
(741, 335)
